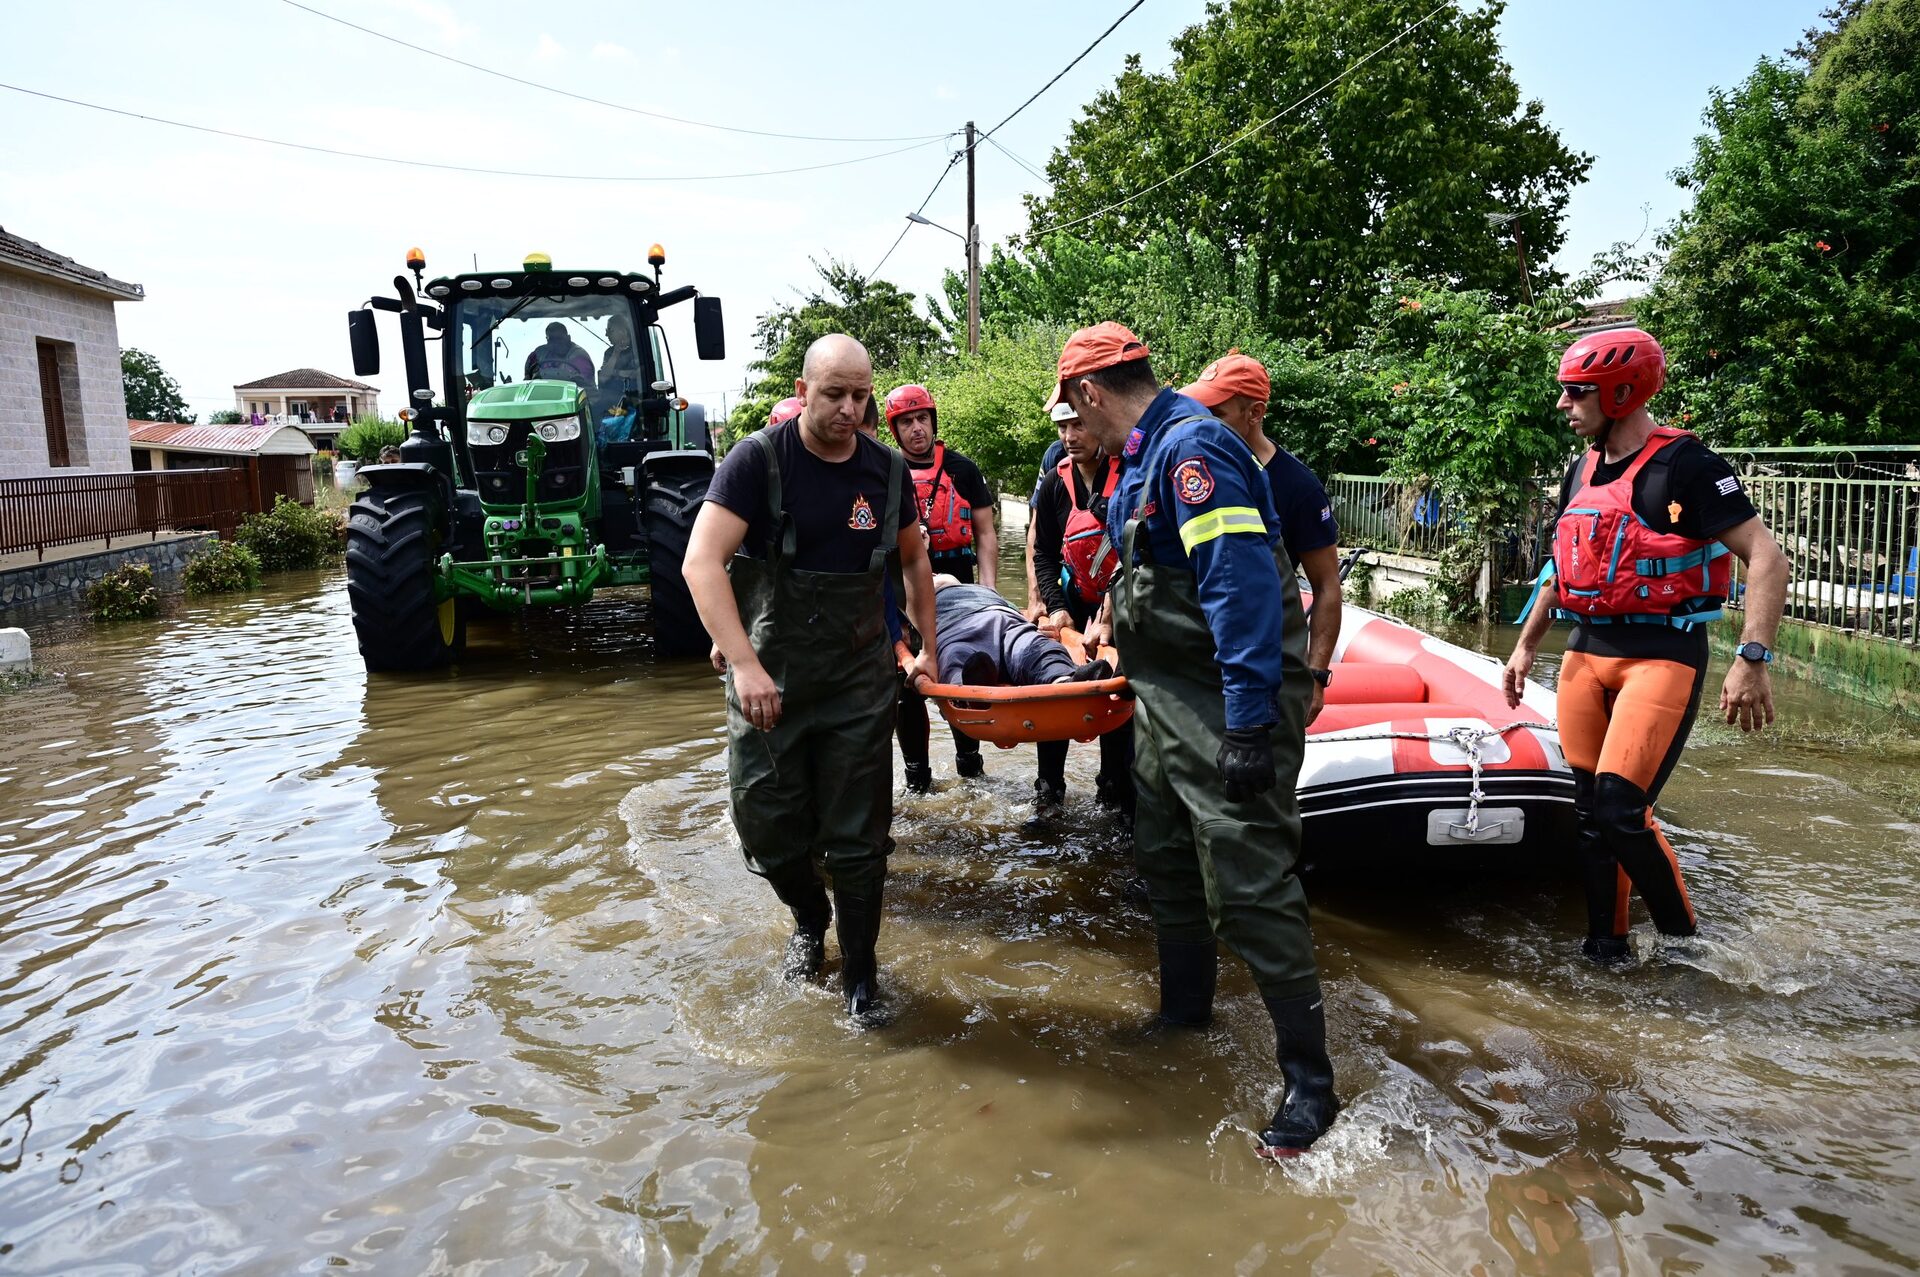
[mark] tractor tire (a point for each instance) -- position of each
(392, 543)
(673, 499)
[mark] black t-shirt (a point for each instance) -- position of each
(1306, 516)
(1711, 501)
(968, 482)
(836, 506)
(1052, 507)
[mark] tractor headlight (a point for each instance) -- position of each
(559, 430)
(486, 432)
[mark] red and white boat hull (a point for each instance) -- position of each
(1389, 762)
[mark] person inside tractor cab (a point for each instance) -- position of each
(620, 365)
(560, 359)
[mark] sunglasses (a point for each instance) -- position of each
(1577, 390)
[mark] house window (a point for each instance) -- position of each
(299, 409)
(59, 401)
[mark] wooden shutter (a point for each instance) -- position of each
(52, 404)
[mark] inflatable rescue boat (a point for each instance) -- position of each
(1416, 751)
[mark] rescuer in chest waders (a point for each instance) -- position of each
(1208, 624)
(956, 507)
(1648, 518)
(1073, 564)
(788, 565)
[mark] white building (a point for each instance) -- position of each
(313, 400)
(63, 409)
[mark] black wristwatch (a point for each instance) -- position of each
(1324, 677)
(1756, 652)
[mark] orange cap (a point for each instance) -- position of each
(1232, 374)
(1091, 349)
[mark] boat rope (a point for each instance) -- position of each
(1463, 738)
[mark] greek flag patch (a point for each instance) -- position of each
(1728, 486)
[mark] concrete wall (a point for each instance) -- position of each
(36, 582)
(30, 308)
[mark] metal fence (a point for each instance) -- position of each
(1848, 518)
(65, 509)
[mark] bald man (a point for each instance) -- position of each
(788, 565)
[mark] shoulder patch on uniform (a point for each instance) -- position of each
(1192, 481)
(1134, 439)
(1728, 486)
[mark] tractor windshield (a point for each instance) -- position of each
(586, 340)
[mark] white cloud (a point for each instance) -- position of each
(439, 16)
(944, 92)
(607, 51)
(548, 49)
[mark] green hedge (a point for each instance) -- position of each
(221, 567)
(125, 594)
(292, 536)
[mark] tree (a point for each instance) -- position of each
(1395, 167)
(151, 394)
(1789, 304)
(227, 417)
(874, 311)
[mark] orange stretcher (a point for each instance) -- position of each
(1009, 716)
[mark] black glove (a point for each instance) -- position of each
(1246, 763)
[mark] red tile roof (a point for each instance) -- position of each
(304, 379)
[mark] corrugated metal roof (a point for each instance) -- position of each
(304, 379)
(233, 441)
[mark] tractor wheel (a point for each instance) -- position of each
(391, 547)
(673, 499)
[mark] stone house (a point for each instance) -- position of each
(63, 409)
(309, 398)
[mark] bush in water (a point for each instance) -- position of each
(292, 536)
(125, 594)
(364, 439)
(221, 567)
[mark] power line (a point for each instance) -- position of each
(582, 97)
(465, 168)
(951, 161)
(1063, 70)
(1245, 133)
(1038, 175)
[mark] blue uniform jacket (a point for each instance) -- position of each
(1207, 506)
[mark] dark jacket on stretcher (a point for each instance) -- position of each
(985, 641)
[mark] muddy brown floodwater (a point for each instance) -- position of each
(301, 970)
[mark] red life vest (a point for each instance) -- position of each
(947, 515)
(1088, 553)
(1610, 565)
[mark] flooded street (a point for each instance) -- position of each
(302, 970)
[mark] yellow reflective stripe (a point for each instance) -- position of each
(1203, 528)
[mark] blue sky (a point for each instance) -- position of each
(251, 254)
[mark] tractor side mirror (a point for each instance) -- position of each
(709, 332)
(365, 338)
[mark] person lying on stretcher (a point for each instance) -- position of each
(986, 642)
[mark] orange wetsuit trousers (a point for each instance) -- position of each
(1623, 723)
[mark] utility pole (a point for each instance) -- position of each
(973, 257)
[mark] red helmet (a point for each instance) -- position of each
(1618, 357)
(784, 411)
(910, 398)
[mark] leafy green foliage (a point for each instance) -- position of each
(125, 594)
(881, 316)
(1790, 301)
(366, 436)
(292, 536)
(990, 403)
(221, 567)
(151, 394)
(227, 417)
(1396, 168)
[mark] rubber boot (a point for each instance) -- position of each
(1300, 1025)
(1607, 951)
(1600, 879)
(800, 890)
(858, 924)
(969, 764)
(919, 778)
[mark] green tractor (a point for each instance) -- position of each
(558, 460)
